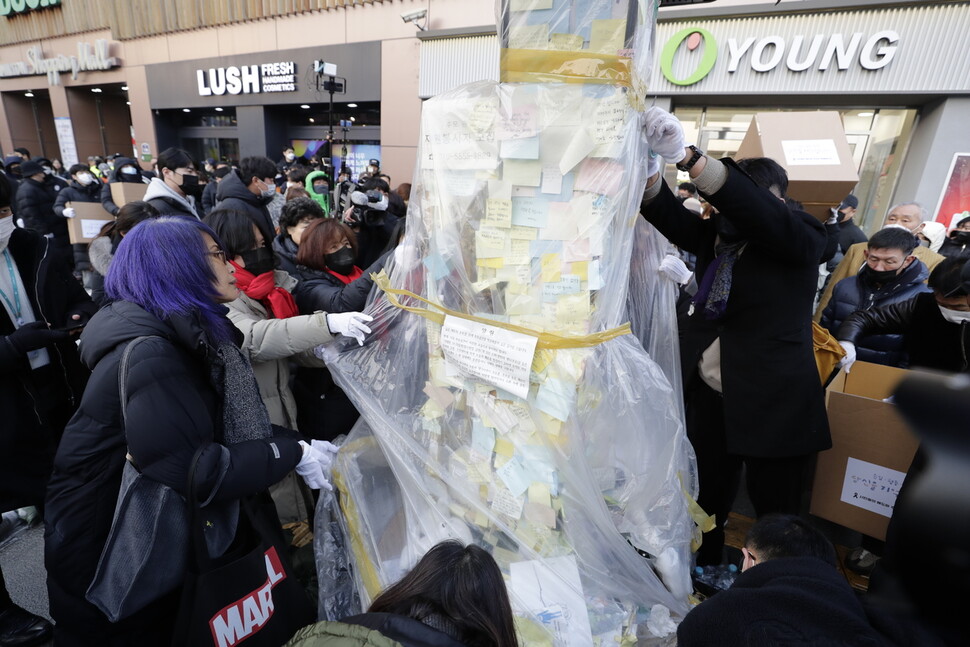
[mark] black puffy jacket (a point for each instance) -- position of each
(173, 408)
(855, 293)
(36, 404)
(953, 249)
(117, 176)
(233, 194)
(322, 291)
(931, 341)
(35, 205)
(286, 251)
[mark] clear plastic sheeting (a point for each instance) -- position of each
(503, 400)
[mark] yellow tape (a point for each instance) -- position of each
(703, 520)
(365, 567)
(546, 340)
(555, 66)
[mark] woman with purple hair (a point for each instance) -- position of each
(187, 388)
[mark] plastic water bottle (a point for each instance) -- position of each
(717, 577)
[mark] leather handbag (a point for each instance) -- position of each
(146, 552)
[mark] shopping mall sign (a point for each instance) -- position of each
(8, 7)
(821, 52)
(88, 58)
(247, 79)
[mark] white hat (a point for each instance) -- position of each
(935, 232)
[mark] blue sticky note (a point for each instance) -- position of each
(539, 247)
(515, 476)
(530, 212)
(437, 265)
(556, 397)
(522, 149)
(483, 439)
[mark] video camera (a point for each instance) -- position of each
(369, 208)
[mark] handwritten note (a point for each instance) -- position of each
(520, 123)
(569, 284)
(506, 503)
(515, 476)
(871, 487)
(566, 42)
(491, 243)
(525, 148)
(493, 355)
(556, 397)
(498, 214)
(551, 265)
(530, 212)
(483, 440)
(529, 37)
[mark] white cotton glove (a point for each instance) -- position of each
(675, 269)
(327, 450)
(69, 212)
(349, 324)
(311, 467)
(654, 164)
(665, 134)
(849, 359)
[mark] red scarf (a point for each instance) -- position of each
(263, 288)
(348, 278)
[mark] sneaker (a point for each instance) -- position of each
(21, 628)
(861, 561)
(11, 527)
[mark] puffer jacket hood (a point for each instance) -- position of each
(232, 186)
(321, 199)
(123, 321)
(157, 189)
(117, 176)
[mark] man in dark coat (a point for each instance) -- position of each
(891, 275)
(83, 187)
(752, 390)
(249, 191)
(789, 593)
(41, 379)
(35, 206)
(849, 232)
(126, 170)
(222, 169)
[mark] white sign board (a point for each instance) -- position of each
(810, 152)
(871, 487)
(65, 141)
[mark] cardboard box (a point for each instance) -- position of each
(89, 219)
(124, 192)
(813, 149)
(856, 481)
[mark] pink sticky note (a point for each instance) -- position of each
(600, 176)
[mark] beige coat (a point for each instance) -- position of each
(271, 343)
(852, 263)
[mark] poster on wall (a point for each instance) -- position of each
(955, 198)
(65, 141)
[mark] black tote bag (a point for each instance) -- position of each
(248, 595)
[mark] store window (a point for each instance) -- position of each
(878, 139)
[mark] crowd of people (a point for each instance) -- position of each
(211, 296)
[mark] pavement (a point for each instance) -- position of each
(22, 558)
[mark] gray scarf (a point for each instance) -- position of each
(244, 416)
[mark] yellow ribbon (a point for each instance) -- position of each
(546, 340)
(557, 66)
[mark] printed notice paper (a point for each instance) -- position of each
(550, 589)
(810, 152)
(493, 355)
(871, 487)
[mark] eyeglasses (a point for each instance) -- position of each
(220, 254)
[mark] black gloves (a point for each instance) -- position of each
(34, 336)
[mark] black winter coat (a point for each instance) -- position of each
(117, 176)
(773, 401)
(35, 205)
(286, 251)
(173, 408)
(36, 404)
(209, 196)
(783, 601)
(322, 291)
(856, 293)
(931, 341)
(233, 194)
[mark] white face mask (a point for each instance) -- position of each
(84, 179)
(128, 170)
(290, 157)
(955, 316)
(6, 229)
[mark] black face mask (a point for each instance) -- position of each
(960, 237)
(321, 189)
(341, 261)
(190, 186)
(259, 261)
(875, 277)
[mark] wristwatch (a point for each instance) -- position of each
(698, 153)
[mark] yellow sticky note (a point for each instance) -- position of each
(529, 37)
(504, 447)
(529, 5)
(551, 268)
(580, 269)
(607, 36)
(539, 493)
(573, 307)
(432, 410)
(498, 214)
(522, 172)
(519, 254)
(542, 359)
(523, 233)
(491, 243)
(494, 263)
(566, 42)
